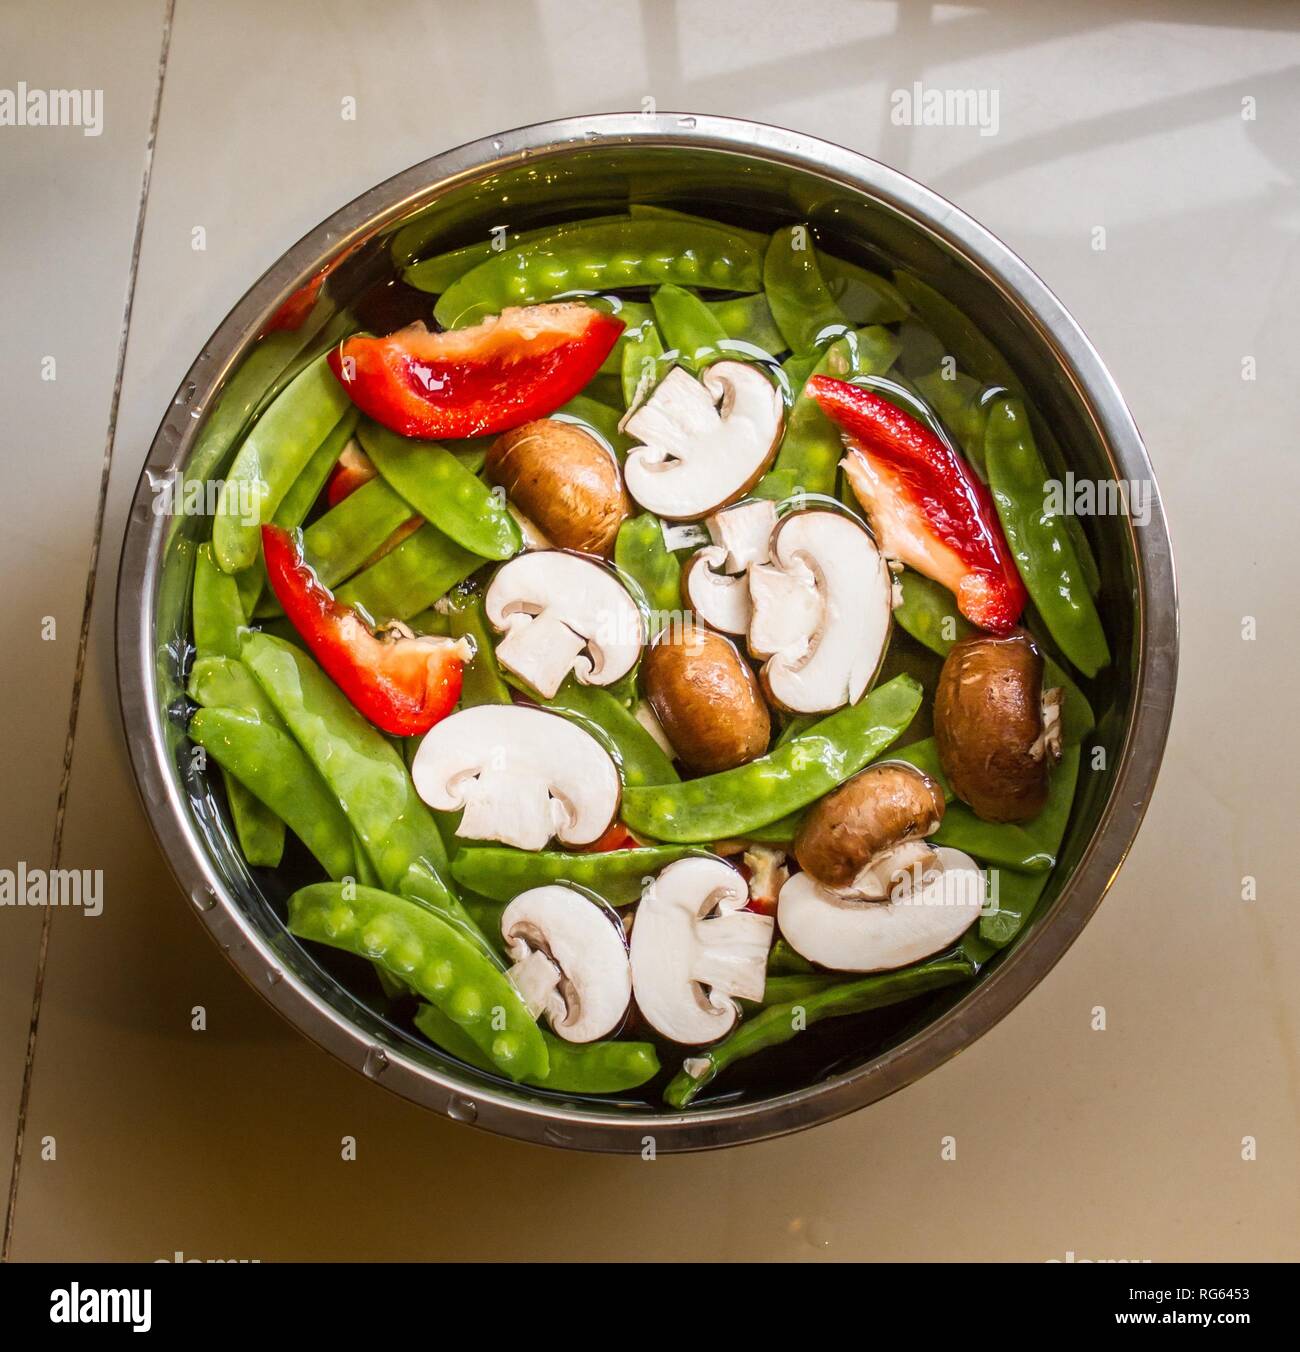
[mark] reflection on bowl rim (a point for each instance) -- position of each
(518, 1114)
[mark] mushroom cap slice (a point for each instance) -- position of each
(744, 532)
(876, 936)
(522, 775)
(694, 947)
(704, 442)
(721, 601)
(572, 959)
(821, 611)
(560, 613)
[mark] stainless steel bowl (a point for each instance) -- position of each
(580, 166)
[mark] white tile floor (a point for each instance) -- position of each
(1118, 1144)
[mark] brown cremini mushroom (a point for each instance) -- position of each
(706, 698)
(564, 480)
(997, 733)
(871, 828)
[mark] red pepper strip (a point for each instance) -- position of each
(616, 837)
(927, 508)
(353, 469)
(401, 683)
(513, 367)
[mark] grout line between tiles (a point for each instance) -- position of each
(56, 848)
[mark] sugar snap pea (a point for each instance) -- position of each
(1040, 545)
(586, 1068)
(689, 327)
(865, 297)
(365, 773)
(502, 873)
(640, 552)
(1018, 893)
(481, 681)
(603, 258)
(779, 1023)
(958, 336)
(640, 759)
(782, 960)
(218, 622)
(801, 304)
(929, 613)
(634, 314)
(436, 274)
(599, 419)
(434, 959)
(220, 682)
(643, 363)
(648, 211)
(443, 491)
(267, 761)
(411, 577)
(810, 450)
(728, 804)
(784, 990)
(749, 319)
(273, 455)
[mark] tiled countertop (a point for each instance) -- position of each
(1177, 131)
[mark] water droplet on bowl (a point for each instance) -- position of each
(376, 1062)
(461, 1109)
(205, 898)
(554, 1136)
(687, 122)
(274, 976)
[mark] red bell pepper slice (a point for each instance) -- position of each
(353, 469)
(615, 837)
(402, 683)
(513, 367)
(927, 507)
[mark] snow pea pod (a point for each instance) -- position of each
(956, 399)
(267, 761)
(640, 759)
(443, 491)
(647, 211)
(810, 451)
(220, 682)
(601, 420)
(780, 1023)
(1040, 545)
(606, 257)
(481, 681)
(732, 802)
(865, 297)
(782, 960)
(1018, 893)
(689, 327)
(640, 552)
(433, 959)
(502, 873)
(411, 577)
(436, 274)
(801, 304)
(586, 1068)
(364, 772)
(218, 622)
(273, 455)
(340, 541)
(634, 313)
(642, 364)
(784, 990)
(929, 613)
(749, 319)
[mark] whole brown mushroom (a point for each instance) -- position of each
(564, 480)
(854, 837)
(706, 698)
(996, 732)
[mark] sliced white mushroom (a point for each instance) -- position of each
(847, 935)
(570, 962)
(561, 613)
(714, 581)
(694, 947)
(646, 716)
(533, 536)
(704, 442)
(821, 611)
(768, 871)
(522, 776)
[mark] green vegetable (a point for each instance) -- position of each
(501, 873)
(801, 304)
(585, 1068)
(602, 258)
(748, 319)
(640, 759)
(273, 455)
(433, 959)
(1018, 893)
(481, 681)
(689, 327)
(1040, 544)
(732, 802)
(599, 419)
(780, 1023)
(643, 363)
(410, 578)
(443, 491)
(640, 552)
